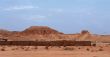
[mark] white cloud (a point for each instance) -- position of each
(20, 8)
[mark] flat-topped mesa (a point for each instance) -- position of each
(42, 30)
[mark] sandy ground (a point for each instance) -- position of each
(30, 51)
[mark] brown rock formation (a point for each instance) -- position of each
(46, 33)
(41, 30)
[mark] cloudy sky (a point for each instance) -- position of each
(68, 16)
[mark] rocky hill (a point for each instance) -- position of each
(41, 30)
(46, 33)
(32, 33)
(4, 33)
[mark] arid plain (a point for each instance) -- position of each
(41, 51)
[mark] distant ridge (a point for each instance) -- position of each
(47, 33)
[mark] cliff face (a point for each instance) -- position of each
(46, 33)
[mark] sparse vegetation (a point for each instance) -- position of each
(94, 45)
(35, 47)
(26, 49)
(69, 48)
(3, 49)
(100, 49)
(13, 49)
(88, 49)
(94, 56)
(22, 47)
(59, 46)
(46, 47)
(79, 48)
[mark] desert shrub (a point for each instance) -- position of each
(22, 47)
(68, 48)
(35, 47)
(3, 49)
(100, 49)
(27, 49)
(92, 50)
(88, 49)
(94, 45)
(94, 56)
(46, 47)
(100, 46)
(17, 48)
(64, 45)
(59, 46)
(79, 48)
(13, 49)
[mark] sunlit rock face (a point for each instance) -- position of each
(42, 30)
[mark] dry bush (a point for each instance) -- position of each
(26, 49)
(46, 47)
(59, 46)
(88, 49)
(100, 49)
(13, 49)
(92, 50)
(22, 47)
(68, 48)
(79, 48)
(35, 47)
(94, 45)
(94, 56)
(100, 46)
(3, 49)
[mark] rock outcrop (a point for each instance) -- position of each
(40, 30)
(46, 33)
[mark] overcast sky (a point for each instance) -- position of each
(68, 16)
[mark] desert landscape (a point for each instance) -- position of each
(42, 51)
(54, 28)
(100, 44)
